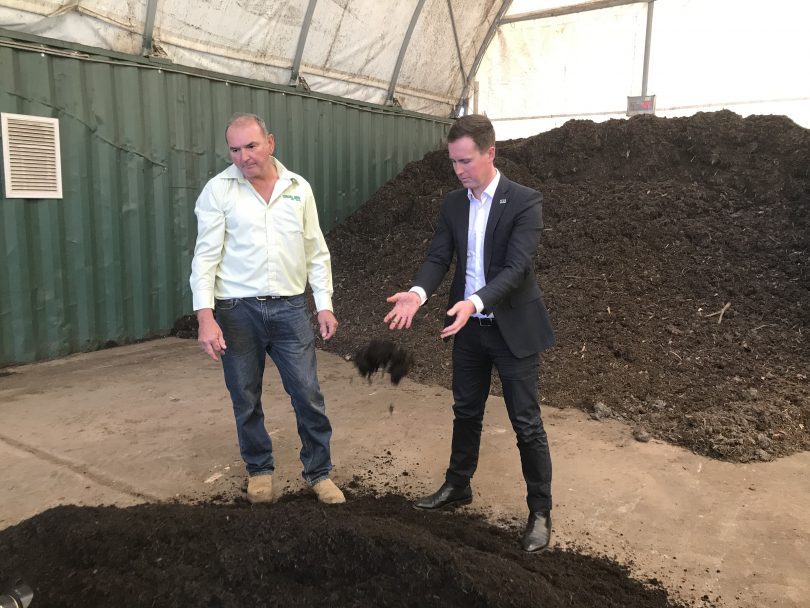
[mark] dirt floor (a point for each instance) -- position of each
(675, 264)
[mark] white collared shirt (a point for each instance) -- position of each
(248, 247)
(475, 277)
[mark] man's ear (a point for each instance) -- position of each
(271, 141)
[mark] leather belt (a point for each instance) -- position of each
(484, 321)
(263, 298)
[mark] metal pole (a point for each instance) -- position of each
(647, 40)
(462, 100)
(149, 27)
(458, 44)
(302, 41)
(389, 100)
(567, 10)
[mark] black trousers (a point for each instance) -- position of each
(476, 349)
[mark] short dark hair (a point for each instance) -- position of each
(476, 126)
(247, 117)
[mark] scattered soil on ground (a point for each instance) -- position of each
(675, 260)
(372, 551)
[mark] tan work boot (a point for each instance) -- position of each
(260, 488)
(328, 492)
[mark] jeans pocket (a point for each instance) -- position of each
(296, 302)
(228, 304)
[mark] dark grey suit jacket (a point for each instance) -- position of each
(512, 234)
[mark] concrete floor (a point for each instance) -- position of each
(152, 421)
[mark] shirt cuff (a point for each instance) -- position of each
(420, 292)
(203, 300)
(323, 301)
(477, 302)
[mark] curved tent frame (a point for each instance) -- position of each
(421, 55)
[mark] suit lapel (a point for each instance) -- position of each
(462, 221)
(499, 202)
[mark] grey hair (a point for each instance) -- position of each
(246, 117)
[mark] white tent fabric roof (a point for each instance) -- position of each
(549, 61)
(351, 48)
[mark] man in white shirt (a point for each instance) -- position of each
(258, 244)
(496, 315)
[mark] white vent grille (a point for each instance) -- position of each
(31, 158)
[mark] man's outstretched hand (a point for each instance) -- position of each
(461, 311)
(406, 303)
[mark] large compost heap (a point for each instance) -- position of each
(674, 261)
(368, 552)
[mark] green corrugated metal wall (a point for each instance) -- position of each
(110, 261)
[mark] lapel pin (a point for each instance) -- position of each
(502, 201)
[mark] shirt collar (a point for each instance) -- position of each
(489, 191)
(233, 172)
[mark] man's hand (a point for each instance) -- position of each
(328, 323)
(406, 303)
(461, 311)
(209, 335)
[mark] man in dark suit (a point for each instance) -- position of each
(496, 314)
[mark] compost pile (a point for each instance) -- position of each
(368, 552)
(674, 260)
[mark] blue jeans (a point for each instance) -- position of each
(281, 328)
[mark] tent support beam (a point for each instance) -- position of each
(295, 72)
(455, 37)
(149, 27)
(463, 99)
(389, 99)
(647, 40)
(568, 10)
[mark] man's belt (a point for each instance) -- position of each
(484, 321)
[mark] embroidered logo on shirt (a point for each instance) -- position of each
(294, 197)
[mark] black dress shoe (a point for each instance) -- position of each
(447, 496)
(537, 535)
